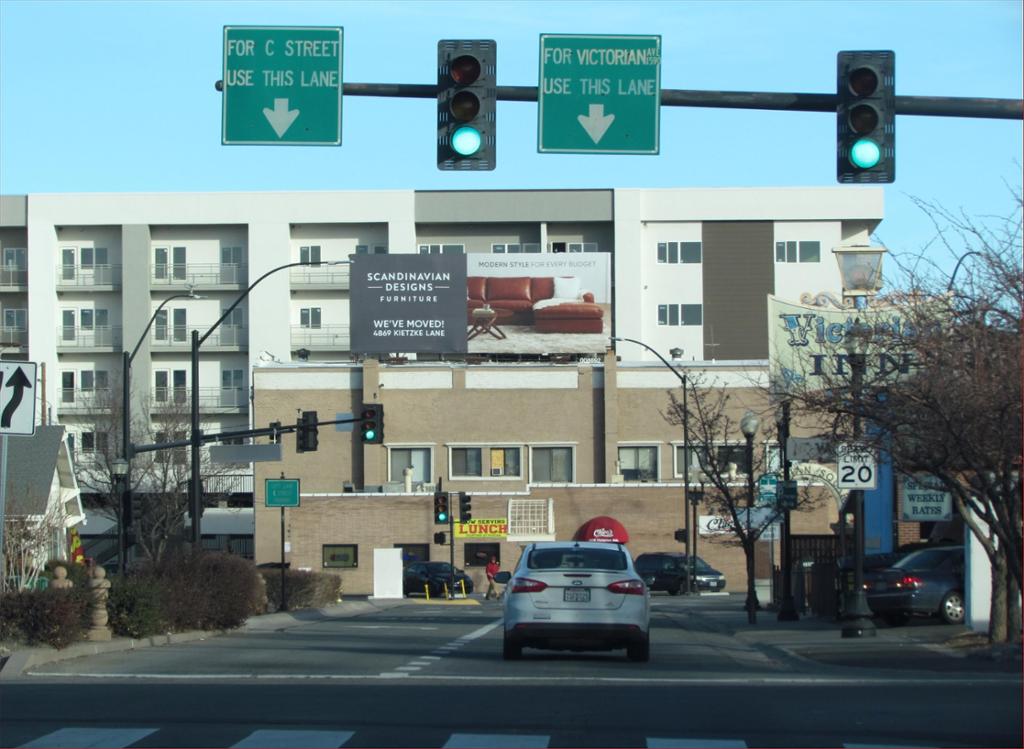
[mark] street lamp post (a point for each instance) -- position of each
(695, 501)
(195, 500)
(787, 608)
(676, 353)
(748, 425)
(124, 463)
(861, 270)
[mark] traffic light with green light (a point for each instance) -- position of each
(441, 508)
(467, 93)
(371, 424)
(866, 117)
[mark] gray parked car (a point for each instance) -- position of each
(927, 582)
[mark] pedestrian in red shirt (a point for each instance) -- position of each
(491, 570)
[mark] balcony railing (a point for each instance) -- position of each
(99, 336)
(85, 400)
(87, 276)
(179, 337)
(12, 336)
(324, 338)
(16, 276)
(321, 277)
(210, 399)
(200, 274)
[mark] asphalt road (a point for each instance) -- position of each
(432, 676)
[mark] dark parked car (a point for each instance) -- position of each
(927, 582)
(667, 571)
(435, 576)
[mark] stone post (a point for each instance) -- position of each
(100, 587)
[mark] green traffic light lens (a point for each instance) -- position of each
(865, 154)
(466, 141)
(442, 516)
(369, 434)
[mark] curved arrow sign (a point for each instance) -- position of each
(18, 414)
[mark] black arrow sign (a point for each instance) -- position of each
(19, 381)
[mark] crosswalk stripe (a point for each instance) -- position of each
(496, 741)
(695, 743)
(271, 739)
(69, 738)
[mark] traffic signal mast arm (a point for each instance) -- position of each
(221, 436)
(922, 106)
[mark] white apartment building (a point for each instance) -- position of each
(83, 276)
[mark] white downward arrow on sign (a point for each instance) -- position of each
(280, 117)
(596, 123)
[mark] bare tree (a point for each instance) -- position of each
(944, 394)
(29, 542)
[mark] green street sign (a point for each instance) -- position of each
(282, 492)
(599, 94)
(282, 85)
(767, 489)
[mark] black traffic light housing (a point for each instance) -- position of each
(866, 117)
(441, 513)
(467, 93)
(306, 433)
(134, 508)
(371, 424)
(439, 538)
(465, 507)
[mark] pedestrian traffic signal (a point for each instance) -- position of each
(465, 507)
(467, 93)
(441, 508)
(275, 437)
(133, 508)
(439, 538)
(866, 117)
(371, 425)
(306, 436)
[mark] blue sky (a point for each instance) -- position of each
(119, 97)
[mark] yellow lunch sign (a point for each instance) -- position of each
(482, 528)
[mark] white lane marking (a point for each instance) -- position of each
(496, 741)
(272, 739)
(408, 668)
(91, 737)
(695, 743)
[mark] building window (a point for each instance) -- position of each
(309, 317)
(309, 254)
(679, 252)
(95, 442)
(340, 555)
(417, 458)
(724, 455)
(478, 555)
(583, 247)
(15, 319)
(680, 314)
(442, 249)
(638, 463)
(377, 249)
(414, 553)
(485, 461)
(551, 464)
(794, 252)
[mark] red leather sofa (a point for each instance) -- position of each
(519, 294)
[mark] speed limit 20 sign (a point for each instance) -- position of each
(857, 467)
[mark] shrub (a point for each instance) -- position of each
(305, 589)
(135, 607)
(208, 591)
(52, 617)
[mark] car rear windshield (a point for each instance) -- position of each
(612, 560)
(926, 559)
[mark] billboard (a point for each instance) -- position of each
(408, 304)
(538, 304)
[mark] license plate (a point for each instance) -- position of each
(577, 595)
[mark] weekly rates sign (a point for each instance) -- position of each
(599, 94)
(282, 86)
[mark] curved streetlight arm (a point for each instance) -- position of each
(676, 372)
(152, 319)
(952, 278)
(245, 293)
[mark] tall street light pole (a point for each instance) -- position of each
(195, 499)
(122, 466)
(677, 353)
(787, 608)
(748, 425)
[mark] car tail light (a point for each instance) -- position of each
(526, 585)
(628, 587)
(909, 581)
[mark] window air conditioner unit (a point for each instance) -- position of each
(495, 471)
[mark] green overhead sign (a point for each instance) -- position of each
(282, 85)
(599, 94)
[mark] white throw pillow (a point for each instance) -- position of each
(567, 287)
